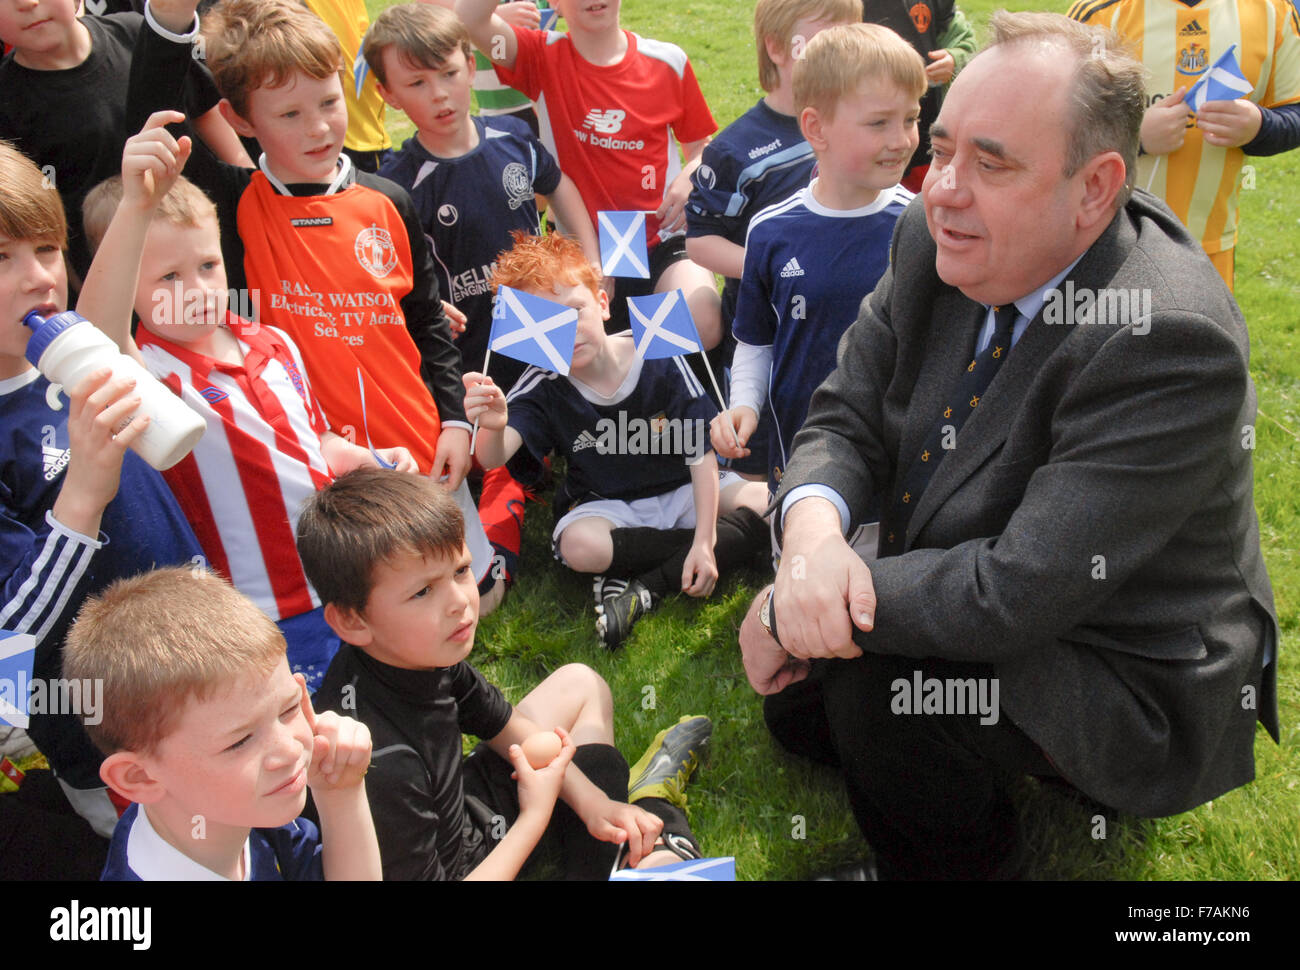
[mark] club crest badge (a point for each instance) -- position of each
(375, 251)
(514, 179)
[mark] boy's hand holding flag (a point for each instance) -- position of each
(662, 326)
(1220, 98)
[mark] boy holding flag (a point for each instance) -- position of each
(643, 490)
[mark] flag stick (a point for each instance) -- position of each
(1154, 168)
(487, 356)
(709, 367)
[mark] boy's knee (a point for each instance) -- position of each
(584, 551)
(579, 680)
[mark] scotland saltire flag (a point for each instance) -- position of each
(693, 870)
(622, 244)
(360, 69)
(662, 325)
(536, 331)
(1222, 82)
(549, 16)
(17, 658)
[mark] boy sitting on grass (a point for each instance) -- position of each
(215, 742)
(643, 492)
(811, 259)
(388, 555)
(267, 448)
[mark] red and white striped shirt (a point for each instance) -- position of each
(244, 483)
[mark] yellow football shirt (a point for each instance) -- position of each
(1178, 41)
(349, 21)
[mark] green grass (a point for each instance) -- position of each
(752, 801)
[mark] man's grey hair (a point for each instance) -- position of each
(1107, 93)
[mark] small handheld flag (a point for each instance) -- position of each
(533, 330)
(721, 869)
(549, 16)
(1222, 82)
(17, 661)
(528, 328)
(662, 325)
(360, 68)
(623, 249)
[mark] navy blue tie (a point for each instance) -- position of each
(957, 405)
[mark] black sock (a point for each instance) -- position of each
(742, 535)
(637, 550)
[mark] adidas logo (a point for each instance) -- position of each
(791, 268)
(584, 441)
(1191, 30)
(56, 459)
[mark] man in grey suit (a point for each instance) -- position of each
(1049, 393)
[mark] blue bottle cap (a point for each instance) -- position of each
(46, 329)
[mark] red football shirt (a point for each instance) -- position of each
(612, 128)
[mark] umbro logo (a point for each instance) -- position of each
(56, 459)
(605, 122)
(791, 268)
(584, 441)
(1192, 29)
(213, 394)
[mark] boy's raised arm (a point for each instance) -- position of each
(490, 34)
(151, 163)
(572, 212)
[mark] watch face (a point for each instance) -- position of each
(765, 611)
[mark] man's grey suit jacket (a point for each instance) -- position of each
(1092, 534)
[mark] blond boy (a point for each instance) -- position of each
(215, 741)
(811, 259)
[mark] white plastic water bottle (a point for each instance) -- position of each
(67, 347)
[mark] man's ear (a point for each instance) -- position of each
(348, 624)
(127, 773)
(1101, 180)
(811, 124)
(241, 126)
(602, 300)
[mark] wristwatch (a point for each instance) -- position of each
(767, 614)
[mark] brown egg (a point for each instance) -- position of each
(540, 749)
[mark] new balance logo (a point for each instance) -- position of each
(605, 122)
(56, 459)
(791, 268)
(584, 441)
